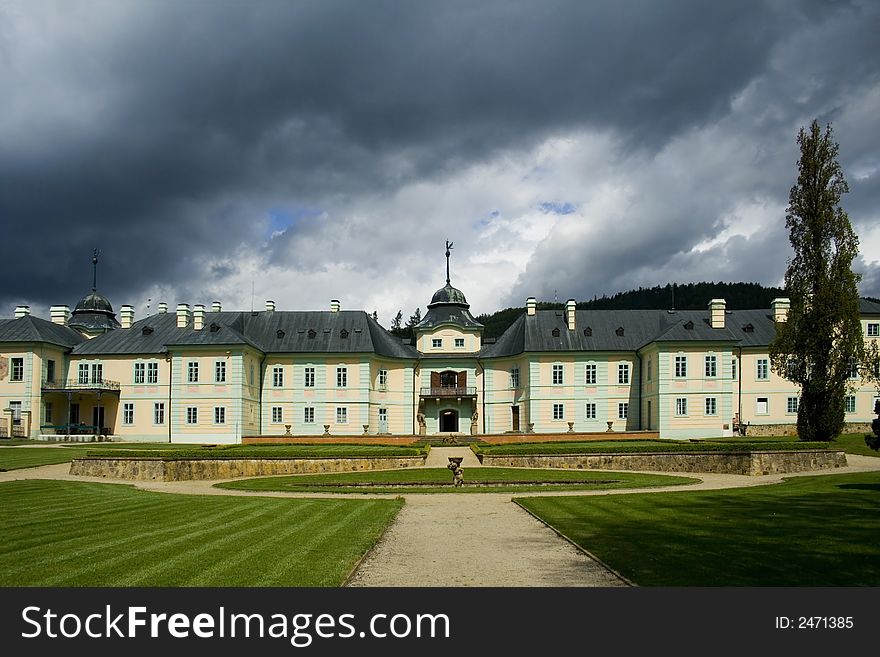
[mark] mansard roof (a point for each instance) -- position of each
(346, 331)
(35, 329)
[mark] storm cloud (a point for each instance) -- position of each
(314, 150)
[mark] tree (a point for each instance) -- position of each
(415, 318)
(821, 339)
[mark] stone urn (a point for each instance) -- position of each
(287, 430)
(366, 429)
(326, 430)
(609, 429)
(530, 427)
(571, 427)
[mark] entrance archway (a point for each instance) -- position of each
(448, 421)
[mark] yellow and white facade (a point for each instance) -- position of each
(200, 375)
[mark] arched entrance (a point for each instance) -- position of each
(448, 421)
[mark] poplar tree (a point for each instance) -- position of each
(821, 341)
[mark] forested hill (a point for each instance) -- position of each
(690, 296)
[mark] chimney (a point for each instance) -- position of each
(163, 307)
(570, 308)
(334, 305)
(216, 307)
(22, 311)
(59, 314)
(182, 315)
(717, 307)
(198, 317)
(126, 316)
(531, 305)
(780, 309)
(270, 306)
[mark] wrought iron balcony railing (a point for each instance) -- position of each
(450, 391)
(76, 384)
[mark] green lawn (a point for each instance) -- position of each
(81, 534)
(13, 458)
(806, 531)
(439, 480)
(325, 450)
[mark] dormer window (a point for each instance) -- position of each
(748, 328)
(619, 331)
(214, 327)
(147, 330)
(343, 334)
(279, 334)
(689, 325)
(555, 333)
(588, 331)
(312, 333)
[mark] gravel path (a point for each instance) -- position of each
(473, 539)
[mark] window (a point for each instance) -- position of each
(219, 415)
(850, 403)
(853, 369)
(623, 373)
(591, 411)
(152, 372)
(47, 406)
(82, 373)
(711, 406)
(762, 406)
(791, 405)
(873, 330)
(97, 373)
(459, 342)
(762, 369)
(128, 413)
(139, 372)
(278, 377)
(15, 407)
(557, 375)
(220, 371)
(681, 406)
(711, 366)
(159, 413)
(733, 363)
(341, 415)
(192, 415)
(514, 377)
(681, 366)
(436, 343)
(558, 412)
(17, 369)
(276, 415)
(622, 410)
(309, 414)
(192, 372)
(383, 379)
(50, 370)
(309, 377)
(590, 374)
(341, 377)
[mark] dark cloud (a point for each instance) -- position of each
(168, 133)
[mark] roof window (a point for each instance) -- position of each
(279, 333)
(588, 331)
(343, 334)
(689, 325)
(748, 328)
(312, 334)
(147, 330)
(619, 331)
(556, 333)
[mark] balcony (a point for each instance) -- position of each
(93, 385)
(449, 391)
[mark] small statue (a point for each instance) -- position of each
(874, 441)
(421, 420)
(474, 419)
(457, 472)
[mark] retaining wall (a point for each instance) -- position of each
(745, 463)
(146, 469)
(507, 438)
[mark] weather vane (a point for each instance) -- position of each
(95, 255)
(448, 249)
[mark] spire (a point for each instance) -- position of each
(448, 247)
(95, 255)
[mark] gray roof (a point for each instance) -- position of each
(34, 329)
(448, 314)
(270, 332)
(868, 307)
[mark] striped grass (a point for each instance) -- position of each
(806, 531)
(15, 458)
(58, 533)
(439, 480)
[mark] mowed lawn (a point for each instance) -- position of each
(439, 480)
(57, 533)
(806, 531)
(14, 458)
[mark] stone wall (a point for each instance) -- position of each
(146, 469)
(507, 438)
(315, 440)
(791, 429)
(745, 463)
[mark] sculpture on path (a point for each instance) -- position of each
(457, 472)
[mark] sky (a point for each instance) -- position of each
(309, 151)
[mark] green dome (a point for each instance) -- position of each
(448, 294)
